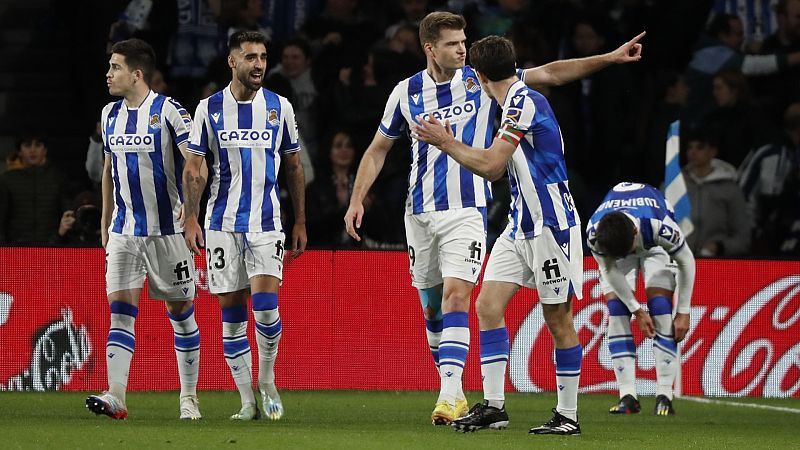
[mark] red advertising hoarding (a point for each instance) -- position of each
(351, 320)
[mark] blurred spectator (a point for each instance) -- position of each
(283, 19)
(719, 213)
(328, 197)
(487, 18)
(295, 68)
(776, 92)
(671, 89)
(80, 225)
(360, 94)
(149, 20)
(600, 143)
(758, 19)
(765, 176)
(409, 12)
(31, 196)
(718, 49)
(193, 47)
(737, 124)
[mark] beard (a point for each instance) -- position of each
(246, 78)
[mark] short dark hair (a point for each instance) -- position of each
(139, 55)
(702, 135)
(300, 43)
(615, 234)
(432, 24)
(236, 39)
(494, 57)
(28, 137)
(721, 23)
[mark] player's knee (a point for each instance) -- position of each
(456, 301)
(178, 308)
(487, 310)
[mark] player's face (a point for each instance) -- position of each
(450, 51)
(248, 64)
(120, 78)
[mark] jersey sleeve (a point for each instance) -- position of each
(199, 134)
(591, 239)
(392, 122)
(290, 139)
(104, 128)
(669, 236)
(178, 120)
(517, 119)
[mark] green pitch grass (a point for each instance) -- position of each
(378, 420)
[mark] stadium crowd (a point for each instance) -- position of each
(733, 82)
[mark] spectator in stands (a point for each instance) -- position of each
(718, 49)
(328, 197)
(737, 124)
(765, 176)
(719, 213)
(671, 89)
(31, 197)
(777, 91)
(295, 68)
(80, 225)
(599, 144)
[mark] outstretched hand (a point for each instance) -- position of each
(432, 131)
(629, 51)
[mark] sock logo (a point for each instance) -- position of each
(190, 361)
(235, 368)
(448, 374)
(560, 387)
(621, 368)
(111, 355)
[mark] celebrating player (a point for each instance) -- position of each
(247, 131)
(540, 247)
(142, 134)
(445, 210)
(634, 230)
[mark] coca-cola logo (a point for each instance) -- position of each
(59, 349)
(733, 348)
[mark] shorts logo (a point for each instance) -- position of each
(182, 274)
(550, 268)
(475, 253)
(278, 251)
(155, 121)
(273, 117)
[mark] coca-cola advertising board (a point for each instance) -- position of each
(351, 320)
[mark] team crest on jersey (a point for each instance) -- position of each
(155, 121)
(471, 85)
(512, 116)
(272, 118)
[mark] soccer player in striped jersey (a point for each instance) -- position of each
(633, 230)
(541, 246)
(446, 205)
(144, 136)
(246, 132)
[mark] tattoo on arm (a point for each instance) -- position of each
(295, 178)
(193, 189)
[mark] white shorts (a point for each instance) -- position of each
(165, 260)
(233, 258)
(448, 243)
(657, 268)
(551, 263)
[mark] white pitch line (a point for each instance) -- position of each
(746, 405)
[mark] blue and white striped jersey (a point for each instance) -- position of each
(245, 141)
(537, 173)
(146, 164)
(437, 182)
(650, 211)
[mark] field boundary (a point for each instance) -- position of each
(740, 404)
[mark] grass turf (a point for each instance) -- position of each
(377, 420)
